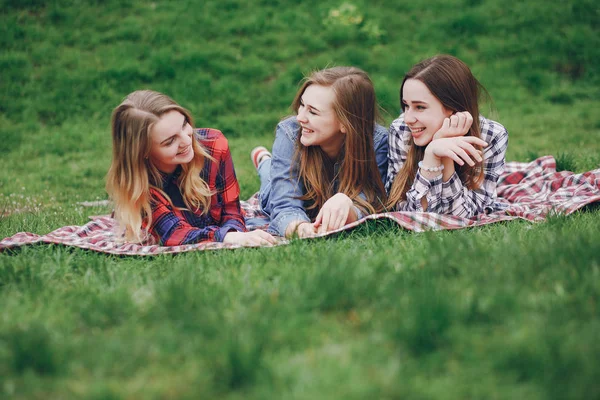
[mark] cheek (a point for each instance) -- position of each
(436, 120)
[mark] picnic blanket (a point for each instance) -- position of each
(532, 190)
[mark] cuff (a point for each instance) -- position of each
(431, 188)
(281, 222)
(225, 229)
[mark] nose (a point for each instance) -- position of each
(301, 117)
(187, 139)
(409, 116)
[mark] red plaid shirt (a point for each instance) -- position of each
(173, 224)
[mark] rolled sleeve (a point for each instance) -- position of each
(431, 189)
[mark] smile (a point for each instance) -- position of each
(306, 130)
(416, 130)
(185, 152)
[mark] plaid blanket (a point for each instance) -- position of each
(532, 190)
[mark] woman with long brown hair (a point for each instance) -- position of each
(171, 181)
(329, 160)
(444, 157)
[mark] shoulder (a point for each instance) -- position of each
(491, 129)
(212, 140)
(398, 124)
(289, 127)
(158, 197)
(380, 133)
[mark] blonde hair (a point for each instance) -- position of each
(131, 174)
(450, 80)
(355, 107)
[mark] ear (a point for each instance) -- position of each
(343, 129)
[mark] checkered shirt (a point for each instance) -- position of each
(451, 197)
(173, 224)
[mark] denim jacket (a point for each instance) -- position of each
(280, 198)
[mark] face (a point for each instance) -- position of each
(320, 126)
(423, 112)
(171, 139)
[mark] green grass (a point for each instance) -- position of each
(501, 312)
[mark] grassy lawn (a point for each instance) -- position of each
(505, 311)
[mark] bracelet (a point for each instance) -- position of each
(431, 169)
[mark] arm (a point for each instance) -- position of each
(225, 207)
(284, 206)
(398, 142)
(459, 200)
(381, 146)
(170, 226)
(426, 187)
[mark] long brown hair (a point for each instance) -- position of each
(132, 174)
(451, 81)
(355, 107)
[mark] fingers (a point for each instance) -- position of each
(475, 141)
(468, 120)
(319, 219)
(265, 236)
(454, 120)
(306, 230)
(325, 221)
(446, 123)
(472, 150)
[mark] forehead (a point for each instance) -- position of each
(168, 125)
(415, 90)
(319, 97)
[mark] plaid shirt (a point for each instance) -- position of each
(450, 197)
(173, 224)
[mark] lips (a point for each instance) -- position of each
(185, 152)
(306, 130)
(416, 132)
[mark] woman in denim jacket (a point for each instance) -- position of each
(329, 161)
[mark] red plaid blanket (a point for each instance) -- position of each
(532, 190)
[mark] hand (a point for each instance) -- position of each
(305, 230)
(252, 238)
(461, 149)
(334, 213)
(458, 124)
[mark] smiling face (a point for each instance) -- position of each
(423, 112)
(320, 125)
(171, 139)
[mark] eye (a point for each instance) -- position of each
(420, 107)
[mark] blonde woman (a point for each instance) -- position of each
(444, 157)
(172, 181)
(329, 160)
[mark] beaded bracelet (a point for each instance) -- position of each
(431, 169)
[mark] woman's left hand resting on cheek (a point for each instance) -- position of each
(336, 212)
(252, 238)
(457, 124)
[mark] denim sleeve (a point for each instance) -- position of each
(381, 151)
(284, 206)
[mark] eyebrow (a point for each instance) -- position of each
(169, 138)
(308, 105)
(414, 102)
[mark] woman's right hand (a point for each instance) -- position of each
(302, 229)
(461, 149)
(253, 238)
